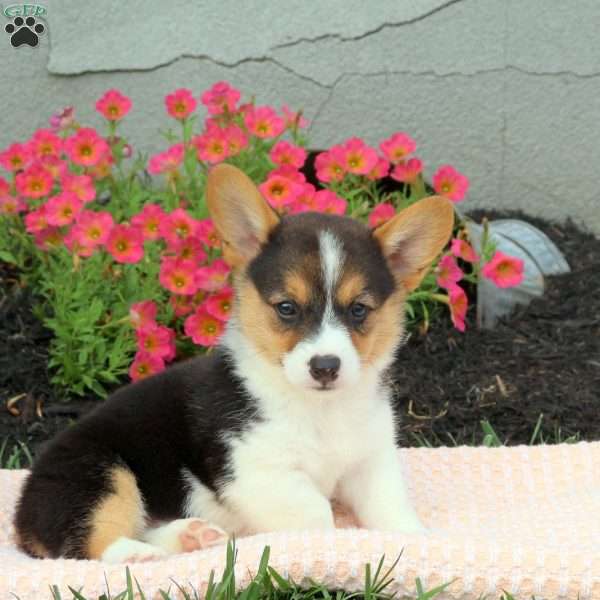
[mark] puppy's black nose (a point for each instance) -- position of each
(324, 369)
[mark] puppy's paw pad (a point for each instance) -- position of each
(200, 534)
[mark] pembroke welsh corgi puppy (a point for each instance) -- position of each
(292, 409)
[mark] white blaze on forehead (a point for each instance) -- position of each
(332, 338)
(332, 258)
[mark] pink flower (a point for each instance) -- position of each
(86, 147)
(203, 328)
(285, 153)
(55, 166)
(178, 276)
(149, 220)
(156, 340)
(505, 271)
(178, 226)
(48, 239)
(407, 171)
(213, 277)
(45, 143)
(34, 182)
(182, 305)
(36, 220)
(359, 158)
(143, 314)
(168, 161)
(207, 233)
(380, 170)
(448, 182)
(125, 244)
(305, 201)
(220, 98)
(180, 104)
(380, 214)
(448, 272)
(462, 249)
(145, 365)
(293, 120)
(212, 147)
(189, 248)
(15, 157)
(91, 230)
(236, 139)
(64, 119)
(81, 185)
(63, 208)
(331, 165)
(113, 105)
(264, 122)
(288, 172)
(328, 202)
(398, 147)
(219, 305)
(9, 205)
(103, 167)
(279, 191)
(458, 306)
(4, 187)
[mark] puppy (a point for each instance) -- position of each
(292, 409)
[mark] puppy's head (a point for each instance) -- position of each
(321, 296)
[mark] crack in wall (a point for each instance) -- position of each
(341, 38)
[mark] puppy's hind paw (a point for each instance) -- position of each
(200, 534)
(185, 535)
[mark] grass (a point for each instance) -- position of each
(18, 457)
(266, 584)
(491, 439)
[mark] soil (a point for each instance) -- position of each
(544, 360)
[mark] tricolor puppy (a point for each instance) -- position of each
(292, 409)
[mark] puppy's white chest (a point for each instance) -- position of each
(324, 441)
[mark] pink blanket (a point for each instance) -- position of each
(525, 520)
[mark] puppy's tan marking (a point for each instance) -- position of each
(297, 288)
(350, 288)
(120, 514)
(260, 324)
(383, 329)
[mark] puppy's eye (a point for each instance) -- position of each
(358, 312)
(287, 310)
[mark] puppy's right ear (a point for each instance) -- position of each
(241, 216)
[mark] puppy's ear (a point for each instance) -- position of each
(414, 237)
(241, 216)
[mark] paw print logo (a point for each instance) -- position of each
(24, 31)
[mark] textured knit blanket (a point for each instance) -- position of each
(525, 520)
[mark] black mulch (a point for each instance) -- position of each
(544, 360)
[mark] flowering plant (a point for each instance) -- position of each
(122, 252)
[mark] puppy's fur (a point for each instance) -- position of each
(291, 410)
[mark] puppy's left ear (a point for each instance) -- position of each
(414, 237)
(241, 215)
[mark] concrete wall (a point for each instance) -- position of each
(508, 91)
